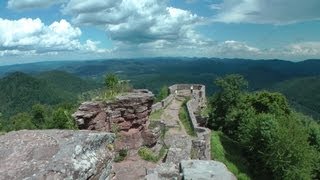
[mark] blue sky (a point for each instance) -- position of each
(43, 30)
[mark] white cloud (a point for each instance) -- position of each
(31, 4)
(31, 35)
(267, 11)
(134, 21)
(304, 49)
(152, 28)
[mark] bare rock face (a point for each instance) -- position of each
(127, 116)
(164, 171)
(56, 154)
(200, 169)
(150, 137)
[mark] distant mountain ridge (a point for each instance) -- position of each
(154, 73)
(98, 67)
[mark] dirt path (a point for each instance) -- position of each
(170, 117)
(176, 137)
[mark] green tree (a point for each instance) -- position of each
(111, 81)
(267, 102)
(313, 129)
(1, 123)
(38, 115)
(279, 143)
(61, 119)
(230, 95)
(163, 93)
(289, 154)
(22, 121)
(112, 84)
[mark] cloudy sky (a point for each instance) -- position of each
(42, 30)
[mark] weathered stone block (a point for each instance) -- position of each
(141, 109)
(150, 137)
(164, 171)
(126, 125)
(199, 169)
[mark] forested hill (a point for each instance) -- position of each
(19, 91)
(303, 93)
(154, 73)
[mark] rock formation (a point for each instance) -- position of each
(55, 154)
(199, 169)
(127, 116)
(190, 170)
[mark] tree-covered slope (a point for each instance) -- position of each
(67, 82)
(19, 91)
(303, 93)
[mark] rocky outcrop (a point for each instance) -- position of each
(199, 169)
(127, 116)
(164, 171)
(190, 170)
(180, 148)
(56, 154)
(151, 136)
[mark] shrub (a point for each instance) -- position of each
(148, 155)
(163, 93)
(122, 154)
(156, 115)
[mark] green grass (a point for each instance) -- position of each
(225, 150)
(185, 119)
(148, 155)
(156, 115)
(121, 155)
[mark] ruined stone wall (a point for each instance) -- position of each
(201, 145)
(162, 104)
(127, 116)
(197, 93)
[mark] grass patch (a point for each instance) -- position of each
(225, 150)
(185, 119)
(121, 155)
(148, 155)
(156, 115)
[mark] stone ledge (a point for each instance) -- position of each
(55, 154)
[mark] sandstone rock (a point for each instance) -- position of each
(117, 120)
(128, 116)
(89, 106)
(164, 171)
(141, 109)
(200, 150)
(180, 148)
(142, 115)
(125, 125)
(150, 137)
(199, 169)
(131, 139)
(176, 155)
(128, 113)
(55, 154)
